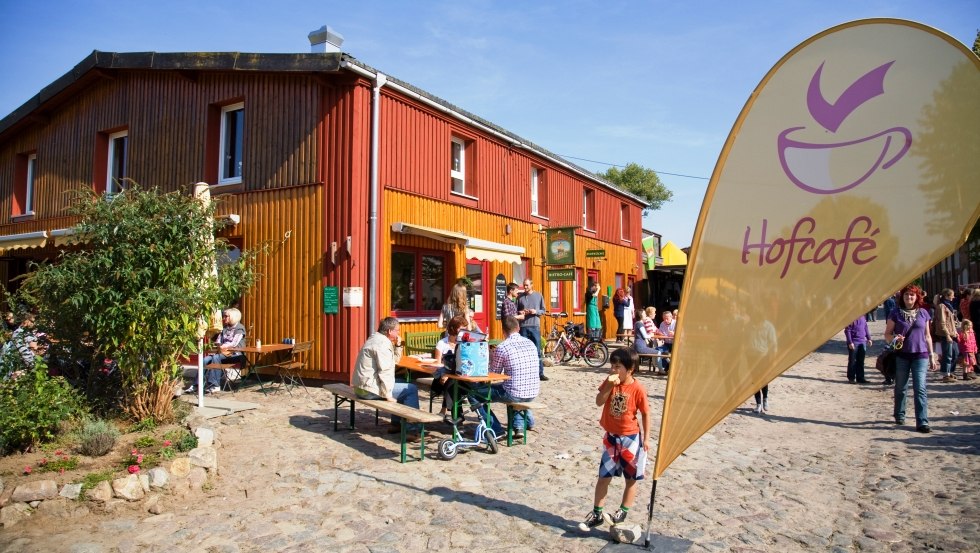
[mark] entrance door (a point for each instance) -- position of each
(476, 271)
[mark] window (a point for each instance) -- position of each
(577, 293)
(520, 272)
(620, 279)
(25, 189)
(534, 190)
(230, 143)
(588, 209)
(555, 295)
(624, 221)
(418, 282)
(116, 161)
(457, 171)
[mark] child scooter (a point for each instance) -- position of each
(483, 435)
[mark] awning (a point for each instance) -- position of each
(429, 232)
(476, 248)
(23, 240)
(673, 256)
(64, 236)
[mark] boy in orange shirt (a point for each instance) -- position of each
(625, 446)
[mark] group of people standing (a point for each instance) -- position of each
(926, 340)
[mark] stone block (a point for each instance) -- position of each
(71, 491)
(181, 467)
(197, 477)
(158, 477)
(37, 490)
(54, 507)
(205, 437)
(625, 533)
(144, 482)
(205, 457)
(101, 492)
(14, 513)
(128, 488)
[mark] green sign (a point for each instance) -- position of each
(561, 274)
(560, 246)
(331, 300)
(595, 253)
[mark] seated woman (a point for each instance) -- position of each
(231, 336)
(645, 330)
(446, 345)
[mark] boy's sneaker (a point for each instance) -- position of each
(592, 520)
(618, 516)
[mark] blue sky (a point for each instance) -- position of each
(656, 83)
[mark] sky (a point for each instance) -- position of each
(601, 83)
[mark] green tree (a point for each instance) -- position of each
(640, 181)
(136, 289)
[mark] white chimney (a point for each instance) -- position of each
(325, 40)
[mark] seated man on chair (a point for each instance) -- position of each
(374, 373)
(516, 357)
(232, 335)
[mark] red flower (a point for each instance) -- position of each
(133, 469)
(27, 469)
(59, 452)
(44, 460)
(139, 459)
(166, 443)
(62, 471)
(134, 452)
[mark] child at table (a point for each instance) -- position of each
(626, 441)
(445, 353)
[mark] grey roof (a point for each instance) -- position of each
(98, 63)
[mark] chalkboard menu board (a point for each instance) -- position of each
(331, 300)
(500, 293)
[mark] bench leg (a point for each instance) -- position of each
(510, 426)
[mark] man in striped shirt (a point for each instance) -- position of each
(516, 357)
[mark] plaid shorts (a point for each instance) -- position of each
(622, 456)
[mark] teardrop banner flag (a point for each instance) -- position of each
(853, 168)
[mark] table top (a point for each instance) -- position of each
(417, 365)
(266, 348)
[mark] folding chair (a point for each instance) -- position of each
(289, 371)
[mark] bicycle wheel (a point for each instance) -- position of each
(595, 354)
(491, 439)
(549, 346)
(558, 354)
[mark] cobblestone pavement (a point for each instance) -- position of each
(825, 470)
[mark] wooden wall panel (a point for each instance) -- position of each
(410, 208)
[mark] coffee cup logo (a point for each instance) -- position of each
(834, 167)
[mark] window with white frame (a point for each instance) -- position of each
(457, 171)
(576, 294)
(29, 184)
(116, 162)
(554, 296)
(534, 191)
(588, 209)
(231, 143)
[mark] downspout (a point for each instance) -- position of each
(372, 319)
(379, 81)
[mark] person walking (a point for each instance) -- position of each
(945, 332)
(908, 329)
(858, 340)
(530, 305)
(968, 349)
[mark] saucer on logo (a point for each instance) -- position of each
(832, 167)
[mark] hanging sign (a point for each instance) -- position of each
(560, 246)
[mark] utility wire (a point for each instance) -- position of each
(623, 166)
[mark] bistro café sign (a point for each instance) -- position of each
(560, 247)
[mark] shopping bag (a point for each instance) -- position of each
(472, 358)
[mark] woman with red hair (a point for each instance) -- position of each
(908, 330)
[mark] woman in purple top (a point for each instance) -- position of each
(858, 340)
(911, 320)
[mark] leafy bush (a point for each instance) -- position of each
(92, 479)
(182, 439)
(58, 464)
(97, 438)
(144, 425)
(32, 407)
(144, 442)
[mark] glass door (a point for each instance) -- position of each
(476, 272)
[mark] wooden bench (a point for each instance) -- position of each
(626, 337)
(650, 357)
(421, 342)
(518, 407)
(343, 392)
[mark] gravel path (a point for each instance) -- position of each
(825, 470)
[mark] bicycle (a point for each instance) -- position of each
(573, 343)
(551, 341)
